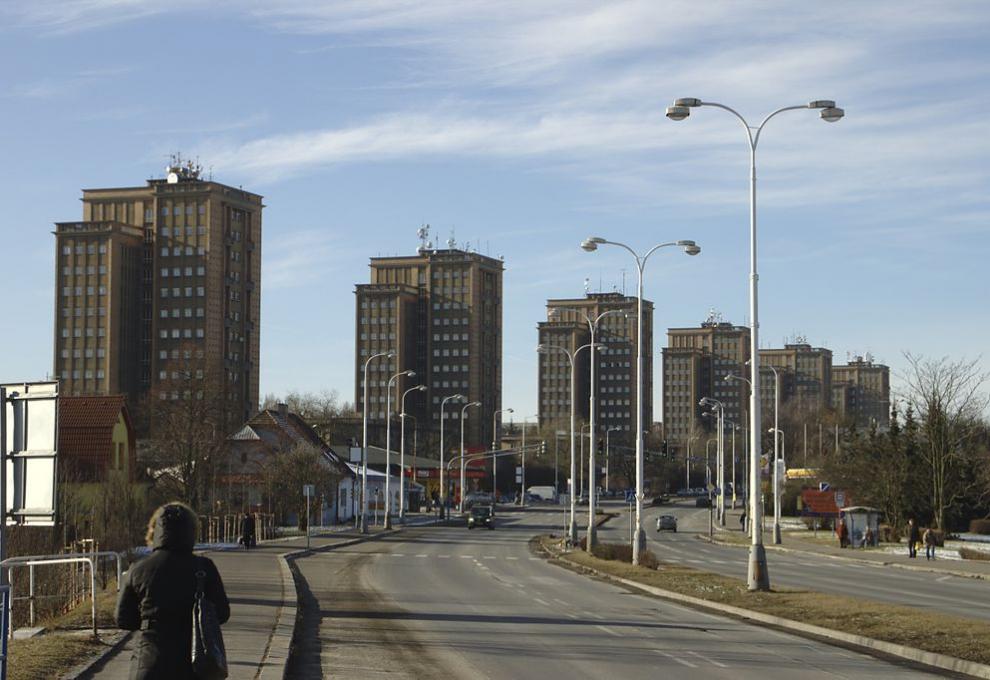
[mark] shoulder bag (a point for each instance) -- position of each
(209, 657)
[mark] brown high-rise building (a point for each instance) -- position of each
(615, 373)
(695, 364)
(440, 311)
(158, 276)
(861, 392)
(805, 377)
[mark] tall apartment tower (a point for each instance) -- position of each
(861, 392)
(805, 377)
(158, 276)
(695, 364)
(615, 373)
(440, 311)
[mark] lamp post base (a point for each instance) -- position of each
(592, 538)
(572, 533)
(639, 541)
(758, 578)
(776, 532)
(363, 523)
(388, 521)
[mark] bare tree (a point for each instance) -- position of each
(287, 472)
(320, 410)
(947, 396)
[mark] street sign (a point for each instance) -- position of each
(630, 495)
(309, 490)
(823, 486)
(840, 499)
(30, 450)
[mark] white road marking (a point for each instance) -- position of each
(444, 557)
(677, 659)
(421, 555)
(571, 616)
(944, 578)
(465, 557)
(559, 601)
(713, 661)
(398, 555)
(512, 558)
(544, 603)
(489, 557)
(609, 631)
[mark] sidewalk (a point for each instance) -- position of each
(790, 543)
(258, 588)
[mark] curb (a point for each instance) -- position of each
(86, 667)
(872, 563)
(932, 659)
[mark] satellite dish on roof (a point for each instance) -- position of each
(172, 178)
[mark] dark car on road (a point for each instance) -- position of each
(660, 500)
(481, 516)
(667, 523)
(702, 502)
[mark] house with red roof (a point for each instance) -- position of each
(95, 438)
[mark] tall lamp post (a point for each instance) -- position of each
(687, 465)
(463, 416)
(571, 358)
(607, 450)
(363, 519)
(592, 403)
(719, 408)
(443, 487)
(388, 444)
(776, 484)
(758, 577)
(402, 450)
(691, 248)
(522, 479)
(495, 441)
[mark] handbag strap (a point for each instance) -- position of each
(200, 579)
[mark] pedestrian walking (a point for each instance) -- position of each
(158, 593)
(868, 537)
(248, 531)
(929, 541)
(742, 521)
(914, 538)
(843, 532)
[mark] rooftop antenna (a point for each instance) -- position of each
(587, 285)
(623, 281)
(424, 238)
(451, 243)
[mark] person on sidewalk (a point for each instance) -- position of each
(868, 538)
(247, 531)
(157, 596)
(843, 533)
(913, 538)
(929, 541)
(742, 521)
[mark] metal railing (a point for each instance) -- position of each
(32, 561)
(4, 628)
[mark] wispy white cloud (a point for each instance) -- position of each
(51, 88)
(301, 258)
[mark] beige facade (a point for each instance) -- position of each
(695, 364)
(172, 273)
(805, 377)
(440, 311)
(861, 392)
(615, 371)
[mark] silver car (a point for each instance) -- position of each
(667, 523)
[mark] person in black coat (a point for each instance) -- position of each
(247, 530)
(157, 596)
(913, 537)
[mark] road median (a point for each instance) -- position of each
(941, 641)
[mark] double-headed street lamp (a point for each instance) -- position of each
(388, 444)
(758, 577)
(719, 409)
(463, 416)
(607, 432)
(593, 401)
(572, 359)
(443, 487)
(363, 518)
(402, 450)
(495, 441)
(691, 248)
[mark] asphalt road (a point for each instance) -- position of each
(448, 602)
(959, 596)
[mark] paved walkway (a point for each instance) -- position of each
(257, 591)
(790, 542)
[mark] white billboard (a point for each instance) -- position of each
(29, 433)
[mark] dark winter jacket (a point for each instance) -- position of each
(157, 598)
(914, 535)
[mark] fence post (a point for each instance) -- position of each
(31, 595)
(120, 573)
(92, 586)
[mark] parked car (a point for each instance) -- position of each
(702, 502)
(481, 515)
(667, 523)
(660, 500)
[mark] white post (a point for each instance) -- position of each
(639, 538)
(776, 476)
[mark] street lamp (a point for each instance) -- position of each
(776, 483)
(758, 577)
(495, 441)
(593, 401)
(443, 488)
(571, 357)
(363, 520)
(719, 408)
(609, 430)
(522, 479)
(687, 464)
(402, 450)
(463, 411)
(591, 244)
(388, 444)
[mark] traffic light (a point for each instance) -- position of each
(663, 448)
(543, 447)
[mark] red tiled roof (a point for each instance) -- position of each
(821, 502)
(85, 429)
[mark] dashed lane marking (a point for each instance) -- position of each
(705, 658)
(609, 631)
(677, 659)
(543, 602)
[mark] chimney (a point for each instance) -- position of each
(283, 410)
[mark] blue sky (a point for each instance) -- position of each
(523, 127)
